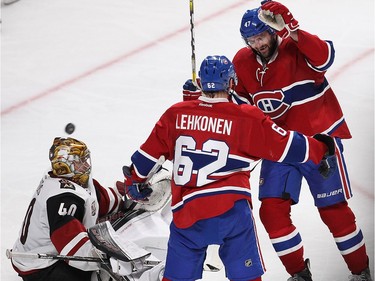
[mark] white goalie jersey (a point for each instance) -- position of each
(57, 220)
(61, 212)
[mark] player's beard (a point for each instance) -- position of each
(266, 51)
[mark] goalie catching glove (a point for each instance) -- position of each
(136, 191)
(277, 16)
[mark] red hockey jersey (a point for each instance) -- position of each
(212, 143)
(291, 88)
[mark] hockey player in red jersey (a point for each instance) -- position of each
(282, 72)
(66, 203)
(212, 143)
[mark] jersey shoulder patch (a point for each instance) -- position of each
(65, 184)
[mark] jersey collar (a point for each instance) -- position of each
(213, 100)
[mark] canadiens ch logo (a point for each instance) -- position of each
(271, 103)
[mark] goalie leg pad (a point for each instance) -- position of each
(154, 274)
(104, 237)
(121, 267)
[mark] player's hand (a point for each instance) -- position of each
(328, 165)
(136, 191)
(277, 16)
(190, 90)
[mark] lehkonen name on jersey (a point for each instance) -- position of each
(204, 123)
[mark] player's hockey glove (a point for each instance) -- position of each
(190, 90)
(277, 16)
(127, 202)
(328, 165)
(136, 191)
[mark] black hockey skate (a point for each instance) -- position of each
(364, 276)
(304, 275)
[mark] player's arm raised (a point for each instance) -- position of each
(319, 53)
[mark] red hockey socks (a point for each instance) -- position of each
(348, 237)
(286, 240)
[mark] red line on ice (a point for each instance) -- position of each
(118, 59)
(349, 64)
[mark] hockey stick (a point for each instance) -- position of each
(104, 263)
(10, 254)
(155, 169)
(159, 163)
(192, 41)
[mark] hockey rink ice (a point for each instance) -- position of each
(113, 67)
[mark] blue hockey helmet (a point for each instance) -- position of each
(251, 25)
(216, 74)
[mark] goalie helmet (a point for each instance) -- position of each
(70, 158)
(217, 74)
(251, 25)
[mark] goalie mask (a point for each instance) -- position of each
(70, 158)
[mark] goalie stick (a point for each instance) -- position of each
(10, 254)
(103, 262)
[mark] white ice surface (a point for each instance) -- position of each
(113, 67)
